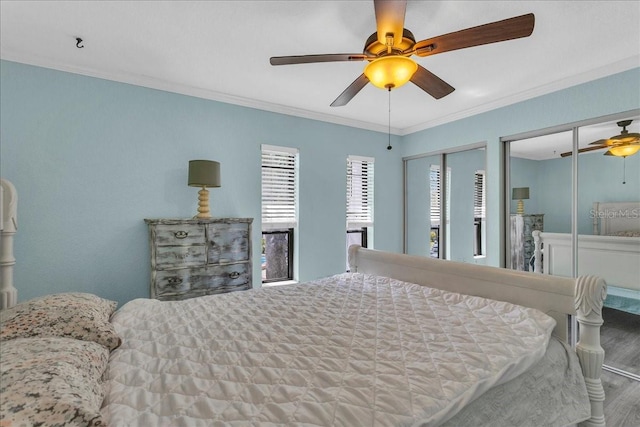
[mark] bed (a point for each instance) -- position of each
(612, 252)
(400, 340)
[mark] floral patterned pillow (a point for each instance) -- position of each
(51, 382)
(75, 315)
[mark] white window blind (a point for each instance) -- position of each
(479, 201)
(435, 195)
(359, 192)
(279, 186)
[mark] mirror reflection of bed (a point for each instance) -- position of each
(604, 190)
(613, 252)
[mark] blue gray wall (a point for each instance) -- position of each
(92, 158)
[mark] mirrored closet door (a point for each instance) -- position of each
(539, 195)
(445, 197)
(580, 188)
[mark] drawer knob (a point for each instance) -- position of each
(173, 281)
(234, 275)
(181, 234)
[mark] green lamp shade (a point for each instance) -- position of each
(204, 173)
(521, 193)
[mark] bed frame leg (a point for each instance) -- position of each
(590, 294)
(8, 227)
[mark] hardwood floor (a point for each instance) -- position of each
(621, 342)
(622, 400)
(620, 339)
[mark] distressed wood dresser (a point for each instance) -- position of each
(195, 257)
(522, 244)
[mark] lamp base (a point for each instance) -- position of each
(203, 204)
(520, 208)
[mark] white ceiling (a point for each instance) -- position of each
(220, 50)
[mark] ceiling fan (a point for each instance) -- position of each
(389, 49)
(621, 145)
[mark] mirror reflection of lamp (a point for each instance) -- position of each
(520, 194)
(204, 173)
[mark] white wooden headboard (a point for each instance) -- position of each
(614, 217)
(8, 227)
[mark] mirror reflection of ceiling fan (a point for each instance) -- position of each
(622, 145)
(389, 49)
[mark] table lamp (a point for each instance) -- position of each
(520, 194)
(204, 173)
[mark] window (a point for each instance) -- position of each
(359, 192)
(359, 200)
(277, 251)
(279, 211)
(479, 214)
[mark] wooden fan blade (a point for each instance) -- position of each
(307, 59)
(602, 142)
(508, 29)
(431, 83)
(390, 19)
(351, 91)
(584, 150)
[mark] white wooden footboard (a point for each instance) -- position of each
(557, 296)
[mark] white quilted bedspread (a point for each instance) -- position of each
(348, 350)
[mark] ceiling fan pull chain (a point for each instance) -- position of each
(624, 170)
(389, 144)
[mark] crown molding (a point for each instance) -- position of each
(153, 83)
(594, 74)
(197, 92)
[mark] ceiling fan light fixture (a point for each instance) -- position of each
(389, 72)
(623, 150)
(625, 138)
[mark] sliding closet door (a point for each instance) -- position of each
(540, 198)
(445, 198)
(465, 237)
(608, 193)
(422, 210)
(573, 187)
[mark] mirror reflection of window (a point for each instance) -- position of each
(479, 214)
(435, 202)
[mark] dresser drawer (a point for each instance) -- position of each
(170, 282)
(222, 277)
(179, 256)
(202, 281)
(228, 242)
(197, 293)
(179, 234)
